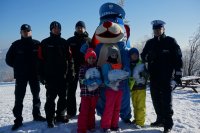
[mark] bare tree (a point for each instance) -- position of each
(121, 3)
(140, 45)
(191, 57)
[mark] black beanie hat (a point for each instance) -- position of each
(55, 24)
(80, 23)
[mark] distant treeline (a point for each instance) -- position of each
(6, 72)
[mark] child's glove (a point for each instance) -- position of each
(131, 82)
(84, 48)
(98, 81)
(94, 84)
(87, 81)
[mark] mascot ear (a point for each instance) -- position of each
(127, 30)
(94, 41)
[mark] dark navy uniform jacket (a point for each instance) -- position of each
(22, 56)
(163, 56)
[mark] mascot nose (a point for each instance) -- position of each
(107, 24)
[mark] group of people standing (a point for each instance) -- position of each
(52, 63)
(59, 65)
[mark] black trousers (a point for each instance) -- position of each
(20, 91)
(56, 87)
(161, 94)
(71, 96)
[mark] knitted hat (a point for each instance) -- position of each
(133, 51)
(90, 52)
(81, 24)
(55, 24)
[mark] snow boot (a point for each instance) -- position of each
(106, 130)
(50, 122)
(16, 126)
(167, 130)
(17, 123)
(157, 124)
(127, 121)
(39, 118)
(116, 129)
(62, 119)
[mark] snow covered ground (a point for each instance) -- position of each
(186, 114)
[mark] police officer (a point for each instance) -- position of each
(75, 42)
(22, 56)
(54, 54)
(164, 58)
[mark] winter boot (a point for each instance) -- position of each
(157, 123)
(62, 119)
(17, 123)
(167, 130)
(127, 121)
(106, 130)
(50, 122)
(92, 130)
(16, 126)
(116, 129)
(39, 118)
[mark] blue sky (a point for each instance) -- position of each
(182, 17)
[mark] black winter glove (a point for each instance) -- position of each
(177, 77)
(70, 77)
(42, 80)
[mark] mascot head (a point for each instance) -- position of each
(111, 28)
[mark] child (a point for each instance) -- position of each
(113, 92)
(89, 78)
(137, 84)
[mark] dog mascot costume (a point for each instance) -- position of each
(113, 32)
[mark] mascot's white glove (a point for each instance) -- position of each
(92, 79)
(92, 87)
(115, 76)
(114, 85)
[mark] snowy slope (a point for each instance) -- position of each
(186, 114)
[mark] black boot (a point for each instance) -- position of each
(116, 129)
(62, 119)
(16, 126)
(157, 124)
(167, 130)
(106, 130)
(50, 122)
(17, 123)
(127, 121)
(39, 118)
